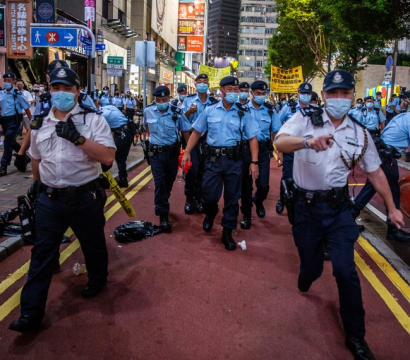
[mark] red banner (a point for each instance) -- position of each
(19, 17)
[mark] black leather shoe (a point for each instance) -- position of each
(397, 234)
(26, 323)
(20, 163)
(3, 171)
(198, 207)
(303, 283)
(93, 288)
(260, 209)
(189, 206)
(208, 223)
(227, 239)
(279, 207)
(359, 349)
(164, 222)
(246, 223)
(361, 228)
(122, 183)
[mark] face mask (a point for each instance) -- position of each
(359, 106)
(284, 103)
(62, 100)
(8, 86)
(231, 97)
(305, 98)
(202, 88)
(36, 89)
(105, 92)
(369, 105)
(259, 99)
(338, 107)
(162, 107)
(41, 88)
(243, 95)
(378, 97)
(182, 97)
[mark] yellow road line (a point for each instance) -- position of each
(357, 184)
(388, 298)
(383, 264)
(8, 306)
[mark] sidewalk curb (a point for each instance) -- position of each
(403, 164)
(12, 244)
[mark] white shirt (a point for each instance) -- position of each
(27, 96)
(325, 170)
(62, 163)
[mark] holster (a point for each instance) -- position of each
(289, 197)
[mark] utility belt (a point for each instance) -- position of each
(265, 145)
(374, 133)
(213, 152)
(386, 152)
(120, 130)
(335, 196)
(11, 118)
(172, 150)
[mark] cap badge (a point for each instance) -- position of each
(337, 78)
(62, 73)
(307, 87)
(162, 94)
(264, 87)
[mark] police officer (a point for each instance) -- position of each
(314, 101)
(12, 103)
(378, 101)
(324, 157)
(117, 101)
(163, 122)
(395, 139)
(373, 119)
(182, 94)
(194, 105)
(95, 94)
(243, 92)
(129, 106)
(268, 122)
(123, 136)
(393, 108)
(227, 123)
(105, 97)
(304, 97)
(356, 112)
(67, 149)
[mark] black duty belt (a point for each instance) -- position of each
(153, 149)
(265, 145)
(121, 129)
(54, 193)
(216, 151)
(322, 195)
(15, 117)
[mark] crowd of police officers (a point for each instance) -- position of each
(228, 144)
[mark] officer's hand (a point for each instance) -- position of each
(320, 143)
(396, 218)
(186, 158)
(193, 109)
(67, 130)
(280, 159)
(254, 171)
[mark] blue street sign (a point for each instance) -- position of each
(97, 47)
(57, 37)
(85, 40)
(389, 63)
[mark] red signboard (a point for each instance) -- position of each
(191, 11)
(190, 27)
(19, 17)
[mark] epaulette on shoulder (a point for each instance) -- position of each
(176, 110)
(213, 100)
(153, 103)
(190, 95)
(355, 120)
(213, 103)
(89, 109)
(269, 106)
(174, 102)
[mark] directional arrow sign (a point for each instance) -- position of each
(85, 40)
(57, 37)
(97, 47)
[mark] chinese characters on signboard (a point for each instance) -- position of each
(191, 25)
(89, 10)
(285, 81)
(19, 17)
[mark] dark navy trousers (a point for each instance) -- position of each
(10, 128)
(315, 224)
(287, 171)
(192, 187)
(222, 174)
(123, 144)
(164, 168)
(53, 217)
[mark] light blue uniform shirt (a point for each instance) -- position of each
(377, 104)
(356, 113)
(371, 121)
(286, 113)
(117, 101)
(9, 103)
(199, 105)
(86, 101)
(114, 117)
(397, 132)
(129, 102)
(396, 103)
(266, 122)
(163, 130)
(106, 100)
(223, 125)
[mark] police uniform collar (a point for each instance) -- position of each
(250, 104)
(74, 111)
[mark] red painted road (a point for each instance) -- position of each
(183, 296)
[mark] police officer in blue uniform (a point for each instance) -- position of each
(373, 119)
(182, 91)
(244, 88)
(194, 105)
(227, 123)
(130, 104)
(395, 138)
(269, 124)
(105, 97)
(378, 101)
(324, 157)
(304, 97)
(67, 149)
(123, 135)
(357, 111)
(393, 108)
(12, 103)
(118, 101)
(163, 122)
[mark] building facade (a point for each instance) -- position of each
(257, 24)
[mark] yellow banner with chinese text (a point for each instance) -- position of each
(214, 74)
(285, 81)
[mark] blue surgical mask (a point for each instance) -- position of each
(359, 106)
(8, 86)
(259, 99)
(162, 107)
(243, 95)
(231, 97)
(105, 92)
(338, 107)
(182, 97)
(62, 100)
(36, 89)
(305, 98)
(284, 103)
(202, 88)
(369, 105)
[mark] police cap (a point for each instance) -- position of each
(368, 98)
(64, 76)
(201, 76)
(229, 80)
(106, 88)
(181, 88)
(305, 88)
(359, 99)
(9, 75)
(259, 85)
(315, 96)
(161, 91)
(56, 64)
(338, 79)
(378, 93)
(244, 85)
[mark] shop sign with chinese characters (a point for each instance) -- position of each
(19, 16)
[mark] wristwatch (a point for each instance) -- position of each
(80, 140)
(255, 162)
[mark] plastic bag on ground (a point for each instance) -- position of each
(134, 231)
